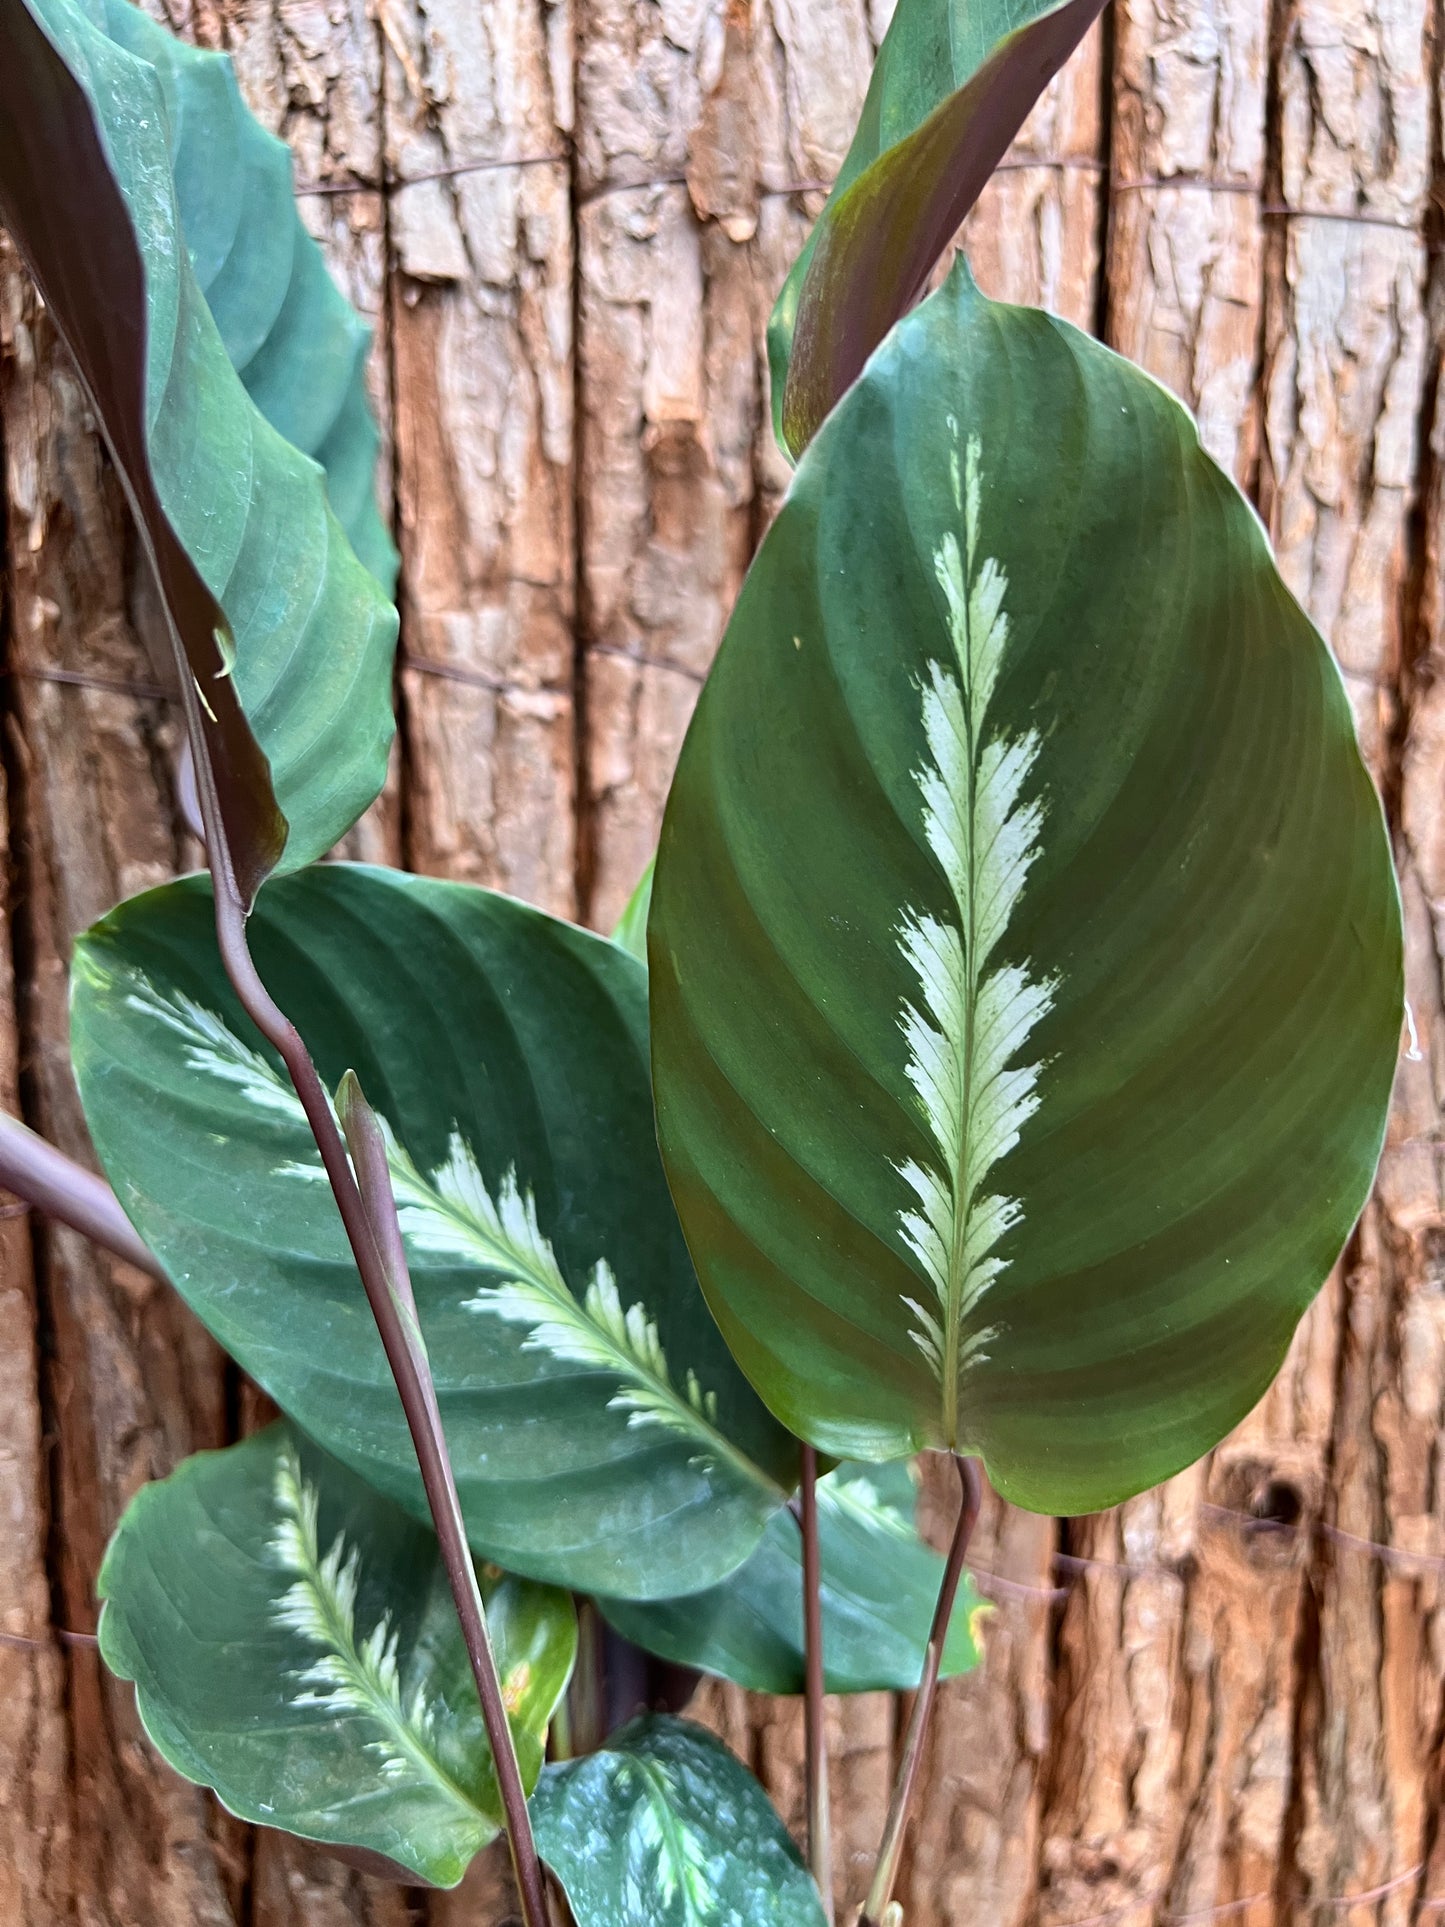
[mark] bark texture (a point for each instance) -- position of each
(568, 219)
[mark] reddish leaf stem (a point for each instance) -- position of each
(376, 1246)
(885, 1872)
(53, 1183)
(820, 1843)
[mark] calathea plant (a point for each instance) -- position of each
(1019, 1006)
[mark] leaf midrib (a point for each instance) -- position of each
(509, 1258)
(963, 1202)
(344, 1645)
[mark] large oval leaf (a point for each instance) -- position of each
(298, 345)
(1025, 952)
(284, 631)
(880, 1587)
(953, 83)
(294, 1645)
(663, 1828)
(601, 1434)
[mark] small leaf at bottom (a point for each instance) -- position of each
(663, 1828)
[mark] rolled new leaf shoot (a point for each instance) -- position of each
(953, 83)
(631, 931)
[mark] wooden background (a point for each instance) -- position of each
(568, 218)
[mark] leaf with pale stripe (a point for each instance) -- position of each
(602, 1436)
(294, 1645)
(1026, 956)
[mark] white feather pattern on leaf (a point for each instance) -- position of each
(971, 1020)
(350, 1675)
(451, 1214)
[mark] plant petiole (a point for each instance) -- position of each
(885, 1873)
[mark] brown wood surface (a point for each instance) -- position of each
(568, 218)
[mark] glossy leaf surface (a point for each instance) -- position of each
(880, 1585)
(953, 83)
(294, 1645)
(298, 345)
(1025, 951)
(288, 637)
(601, 1434)
(663, 1828)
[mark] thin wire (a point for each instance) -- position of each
(1015, 164)
(454, 672)
(1080, 1566)
(62, 1633)
(78, 679)
(1227, 1908)
(478, 679)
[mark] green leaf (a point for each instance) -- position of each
(294, 1645)
(298, 345)
(880, 1587)
(1026, 955)
(953, 83)
(286, 634)
(663, 1828)
(601, 1434)
(631, 931)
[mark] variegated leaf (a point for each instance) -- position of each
(663, 1828)
(294, 1645)
(602, 1436)
(1025, 953)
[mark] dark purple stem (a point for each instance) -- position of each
(376, 1246)
(820, 1843)
(373, 1179)
(63, 1189)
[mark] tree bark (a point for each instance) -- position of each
(568, 219)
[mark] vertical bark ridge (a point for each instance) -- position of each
(1346, 369)
(478, 114)
(132, 1382)
(34, 1777)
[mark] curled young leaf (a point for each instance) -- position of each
(953, 83)
(283, 635)
(663, 1828)
(1026, 953)
(631, 931)
(293, 1644)
(602, 1436)
(880, 1586)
